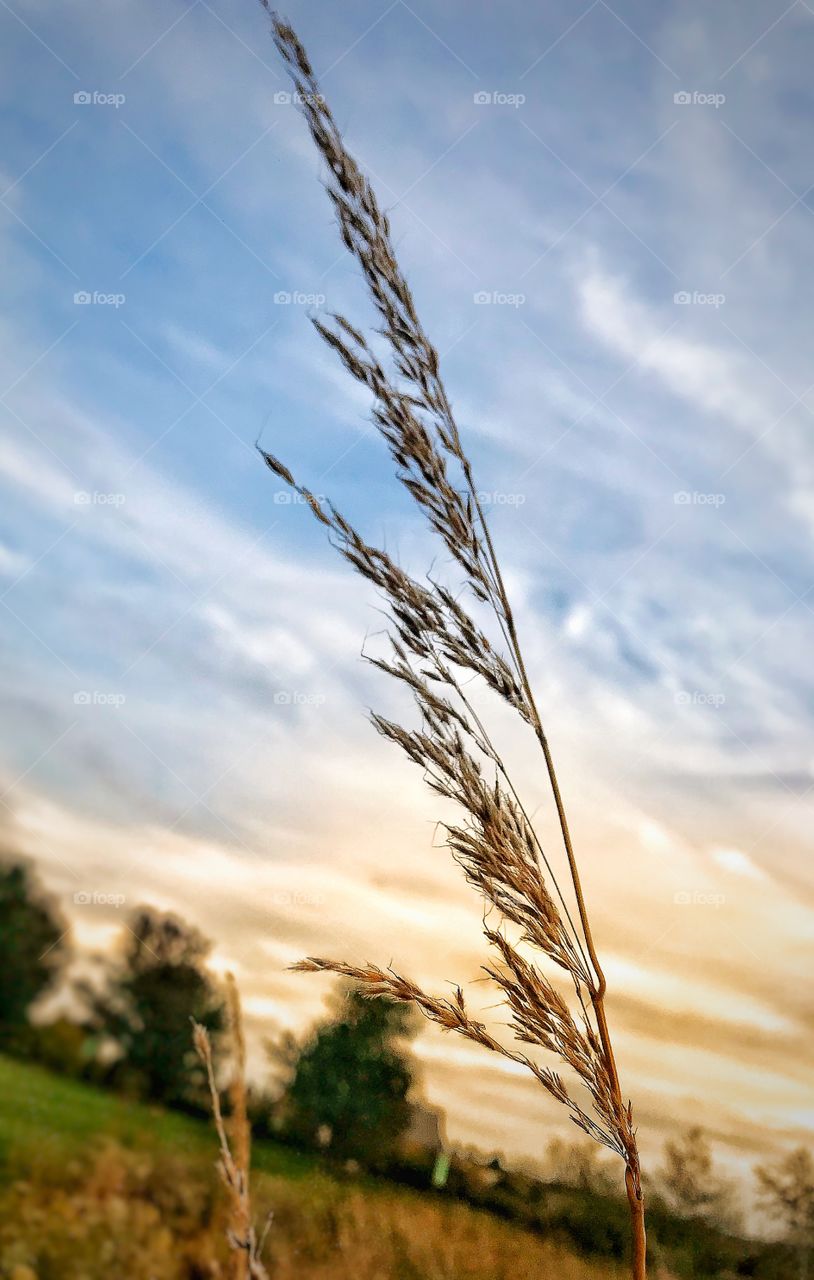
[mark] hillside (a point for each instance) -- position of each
(92, 1186)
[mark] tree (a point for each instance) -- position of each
(347, 1083)
(786, 1190)
(33, 946)
(692, 1186)
(146, 1009)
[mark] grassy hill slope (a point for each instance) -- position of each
(92, 1186)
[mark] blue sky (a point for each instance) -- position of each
(612, 254)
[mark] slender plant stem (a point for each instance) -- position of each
(635, 1201)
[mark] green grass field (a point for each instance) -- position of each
(92, 1186)
(56, 1115)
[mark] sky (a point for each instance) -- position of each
(607, 217)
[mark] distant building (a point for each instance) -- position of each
(426, 1130)
(425, 1137)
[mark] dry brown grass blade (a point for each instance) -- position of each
(437, 646)
(234, 1161)
(240, 1128)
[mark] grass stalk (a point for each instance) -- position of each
(437, 644)
(235, 1155)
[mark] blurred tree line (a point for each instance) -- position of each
(129, 1028)
(345, 1089)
